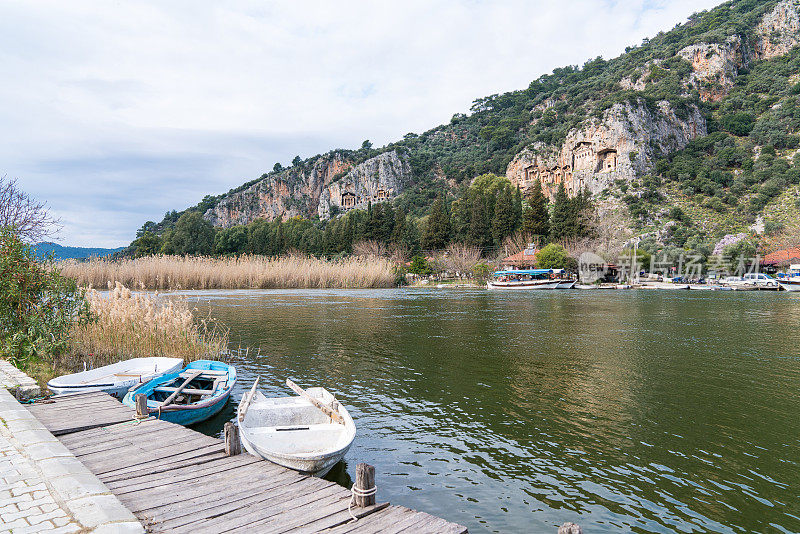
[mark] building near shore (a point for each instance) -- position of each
(780, 260)
(524, 259)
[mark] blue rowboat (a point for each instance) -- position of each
(194, 394)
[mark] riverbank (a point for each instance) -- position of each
(124, 325)
(243, 272)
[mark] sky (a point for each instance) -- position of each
(115, 112)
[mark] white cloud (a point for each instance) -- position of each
(117, 112)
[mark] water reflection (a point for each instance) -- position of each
(634, 411)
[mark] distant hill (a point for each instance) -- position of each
(62, 253)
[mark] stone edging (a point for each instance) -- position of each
(76, 489)
(13, 379)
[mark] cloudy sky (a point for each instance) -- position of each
(115, 112)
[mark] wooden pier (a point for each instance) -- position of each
(178, 480)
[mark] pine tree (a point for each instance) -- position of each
(517, 208)
(437, 233)
(399, 226)
(536, 219)
(503, 221)
(562, 221)
(479, 233)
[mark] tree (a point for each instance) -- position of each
(419, 265)
(147, 244)
(552, 256)
(503, 221)
(28, 218)
(437, 232)
(296, 162)
(536, 218)
(277, 167)
(193, 235)
(479, 233)
(562, 220)
(461, 258)
(366, 145)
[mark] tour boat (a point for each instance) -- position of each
(790, 284)
(115, 379)
(194, 394)
(309, 433)
(529, 279)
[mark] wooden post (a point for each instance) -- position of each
(141, 406)
(570, 528)
(365, 481)
(233, 445)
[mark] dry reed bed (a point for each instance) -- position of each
(126, 326)
(244, 272)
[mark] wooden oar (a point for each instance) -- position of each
(246, 401)
(327, 410)
(171, 398)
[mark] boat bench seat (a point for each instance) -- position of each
(187, 391)
(300, 439)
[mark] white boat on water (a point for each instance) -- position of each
(309, 433)
(790, 284)
(115, 379)
(529, 279)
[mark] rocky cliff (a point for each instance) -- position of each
(313, 188)
(617, 147)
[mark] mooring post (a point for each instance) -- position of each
(233, 444)
(570, 528)
(364, 488)
(141, 406)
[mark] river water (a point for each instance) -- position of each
(643, 411)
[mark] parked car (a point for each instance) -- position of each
(760, 279)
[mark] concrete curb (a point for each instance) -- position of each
(76, 489)
(15, 380)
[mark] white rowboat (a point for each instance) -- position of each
(115, 379)
(309, 433)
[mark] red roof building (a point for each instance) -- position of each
(524, 259)
(782, 258)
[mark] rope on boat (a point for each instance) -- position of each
(358, 492)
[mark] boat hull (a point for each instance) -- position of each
(789, 285)
(566, 284)
(532, 284)
(290, 432)
(108, 378)
(314, 466)
(186, 414)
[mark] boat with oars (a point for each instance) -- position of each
(309, 433)
(194, 394)
(115, 379)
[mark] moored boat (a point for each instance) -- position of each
(790, 284)
(529, 279)
(115, 379)
(309, 433)
(189, 396)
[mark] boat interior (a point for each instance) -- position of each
(201, 384)
(292, 425)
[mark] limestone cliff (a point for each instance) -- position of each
(619, 146)
(376, 180)
(311, 189)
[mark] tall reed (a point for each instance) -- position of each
(243, 272)
(126, 325)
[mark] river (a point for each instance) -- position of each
(642, 411)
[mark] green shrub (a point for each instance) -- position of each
(552, 256)
(38, 306)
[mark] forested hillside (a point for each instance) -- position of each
(684, 139)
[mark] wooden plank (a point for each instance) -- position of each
(302, 495)
(191, 375)
(373, 523)
(336, 519)
(169, 464)
(188, 391)
(101, 468)
(65, 425)
(146, 447)
(327, 410)
(177, 475)
(98, 433)
(189, 489)
(289, 520)
(202, 509)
